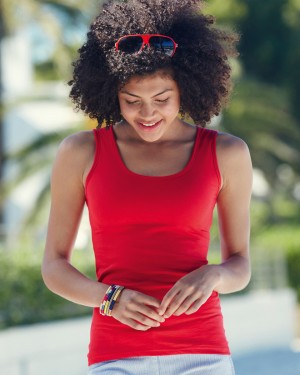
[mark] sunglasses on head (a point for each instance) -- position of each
(136, 42)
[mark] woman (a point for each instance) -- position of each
(151, 181)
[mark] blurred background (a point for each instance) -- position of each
(41, 333)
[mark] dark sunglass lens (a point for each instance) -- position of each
(130, 44)
(162, 44)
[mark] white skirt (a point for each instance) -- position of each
(181, 364)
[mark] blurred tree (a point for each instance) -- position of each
(265, 39)
(265, 108)
(269, 45)
(260, 113)
(36, 157)
(55, 19)
(270, 36)
(58, 21)
(2, 32)
(228, 12)
(292, 17)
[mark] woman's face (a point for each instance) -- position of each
(150, 105)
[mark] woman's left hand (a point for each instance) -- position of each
(190, 292)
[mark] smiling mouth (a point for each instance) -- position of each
(150, 124)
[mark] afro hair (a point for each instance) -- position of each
(200, 65)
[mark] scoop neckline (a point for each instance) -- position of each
(186, 168)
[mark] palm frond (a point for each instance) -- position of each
(260, 114)
(40, 202)
(38, 144)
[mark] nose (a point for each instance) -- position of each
(147, 111)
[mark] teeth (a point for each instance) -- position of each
(149, 124)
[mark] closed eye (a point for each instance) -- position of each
(162, 101)
(130, 102)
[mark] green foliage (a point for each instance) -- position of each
(24, 298)
(264, 47)
(275, 245)
(280, 236)
(283, 240)
(270, 34)
(293, 264)
(228, 12)
(59, 23)
(34, 158)
(260, 114)
(46, 71)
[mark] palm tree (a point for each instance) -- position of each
(55, 19)
(260, 113)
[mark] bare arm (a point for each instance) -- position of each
(234, 213)
(74, 160)
(67, 202)
(233, 274)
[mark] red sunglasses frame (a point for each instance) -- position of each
(146, 39)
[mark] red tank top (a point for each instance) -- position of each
(148, 232)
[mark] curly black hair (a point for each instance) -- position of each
(200, 65)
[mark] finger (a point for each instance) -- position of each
(150, 313)
(144, 320)
(132, 299)
(136, 325)
(196, 305)
(175, 304)
(136, 320)
(167, 300)
(148, 300)
(186, 305)
(146, 305)
(151, 301)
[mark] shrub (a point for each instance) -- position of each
(286, 240)
(293, 264)
(24, 298)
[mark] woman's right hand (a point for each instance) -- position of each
(137, 310)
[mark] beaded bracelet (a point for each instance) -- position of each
(109, 300)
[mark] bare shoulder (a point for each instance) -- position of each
(80, 142)
(80, 145)
(76, 152)
(230, 144)
(233, 156)
(231, 148)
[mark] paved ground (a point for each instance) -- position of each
(56, 348)
(282, 361)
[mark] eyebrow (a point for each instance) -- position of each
(136, 96)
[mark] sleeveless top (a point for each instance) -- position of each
(147, 233)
